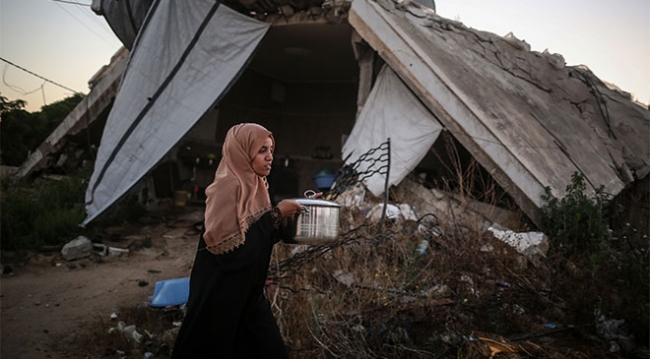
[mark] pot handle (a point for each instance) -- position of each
(309, 193)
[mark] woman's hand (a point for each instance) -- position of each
(289, 207)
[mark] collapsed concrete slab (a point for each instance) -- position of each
(104, 89)
(529, 120)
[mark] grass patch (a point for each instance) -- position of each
(48, 213)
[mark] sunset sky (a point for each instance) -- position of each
(67, 43)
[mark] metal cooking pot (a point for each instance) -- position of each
(317, 224)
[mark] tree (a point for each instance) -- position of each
(53, 114)
(14, 131)
(22, 131)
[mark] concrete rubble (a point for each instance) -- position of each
(80, 247)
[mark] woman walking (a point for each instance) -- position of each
(228, 315)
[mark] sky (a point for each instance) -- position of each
(62, 42)
(67, 43)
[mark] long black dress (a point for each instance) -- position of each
(228, 315)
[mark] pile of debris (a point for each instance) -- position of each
(442, 276)
(439, 277)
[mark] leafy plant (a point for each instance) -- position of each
(576, 223)
(610, 267)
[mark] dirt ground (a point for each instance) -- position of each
(50, 299)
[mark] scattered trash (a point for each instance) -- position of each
(610, 328)
(346, 279)
(438, 290)
(299, 248)
(428, 226)
(422, 247)
(113, 315)
(129, 331)
(116, 252)
(359, 328)
(352, 198)
(399, 211)
(614, 347)
(407, 212)
(487, 248)
(104, 250)
(526, 243)
(392, 212)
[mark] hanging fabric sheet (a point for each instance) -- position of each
(125, 17)
(185, 58)
(392, 111)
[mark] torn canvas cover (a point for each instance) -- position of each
(391, 111)
(186, 56)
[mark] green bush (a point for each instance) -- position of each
(611, 267)
(48, 214)
(576, 223)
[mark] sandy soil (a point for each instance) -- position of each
(50, 298)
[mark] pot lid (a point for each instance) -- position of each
(316, 202)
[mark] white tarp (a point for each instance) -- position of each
(391, 111)
(186, 56)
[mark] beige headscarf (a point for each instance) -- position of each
(238, 197)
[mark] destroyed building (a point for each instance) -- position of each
(332, 80)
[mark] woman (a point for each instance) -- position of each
(228, 315)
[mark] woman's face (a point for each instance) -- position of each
(262, 161)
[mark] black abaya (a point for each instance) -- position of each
(228, 315)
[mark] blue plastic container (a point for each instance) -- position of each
(324, 181)
(170, 292)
